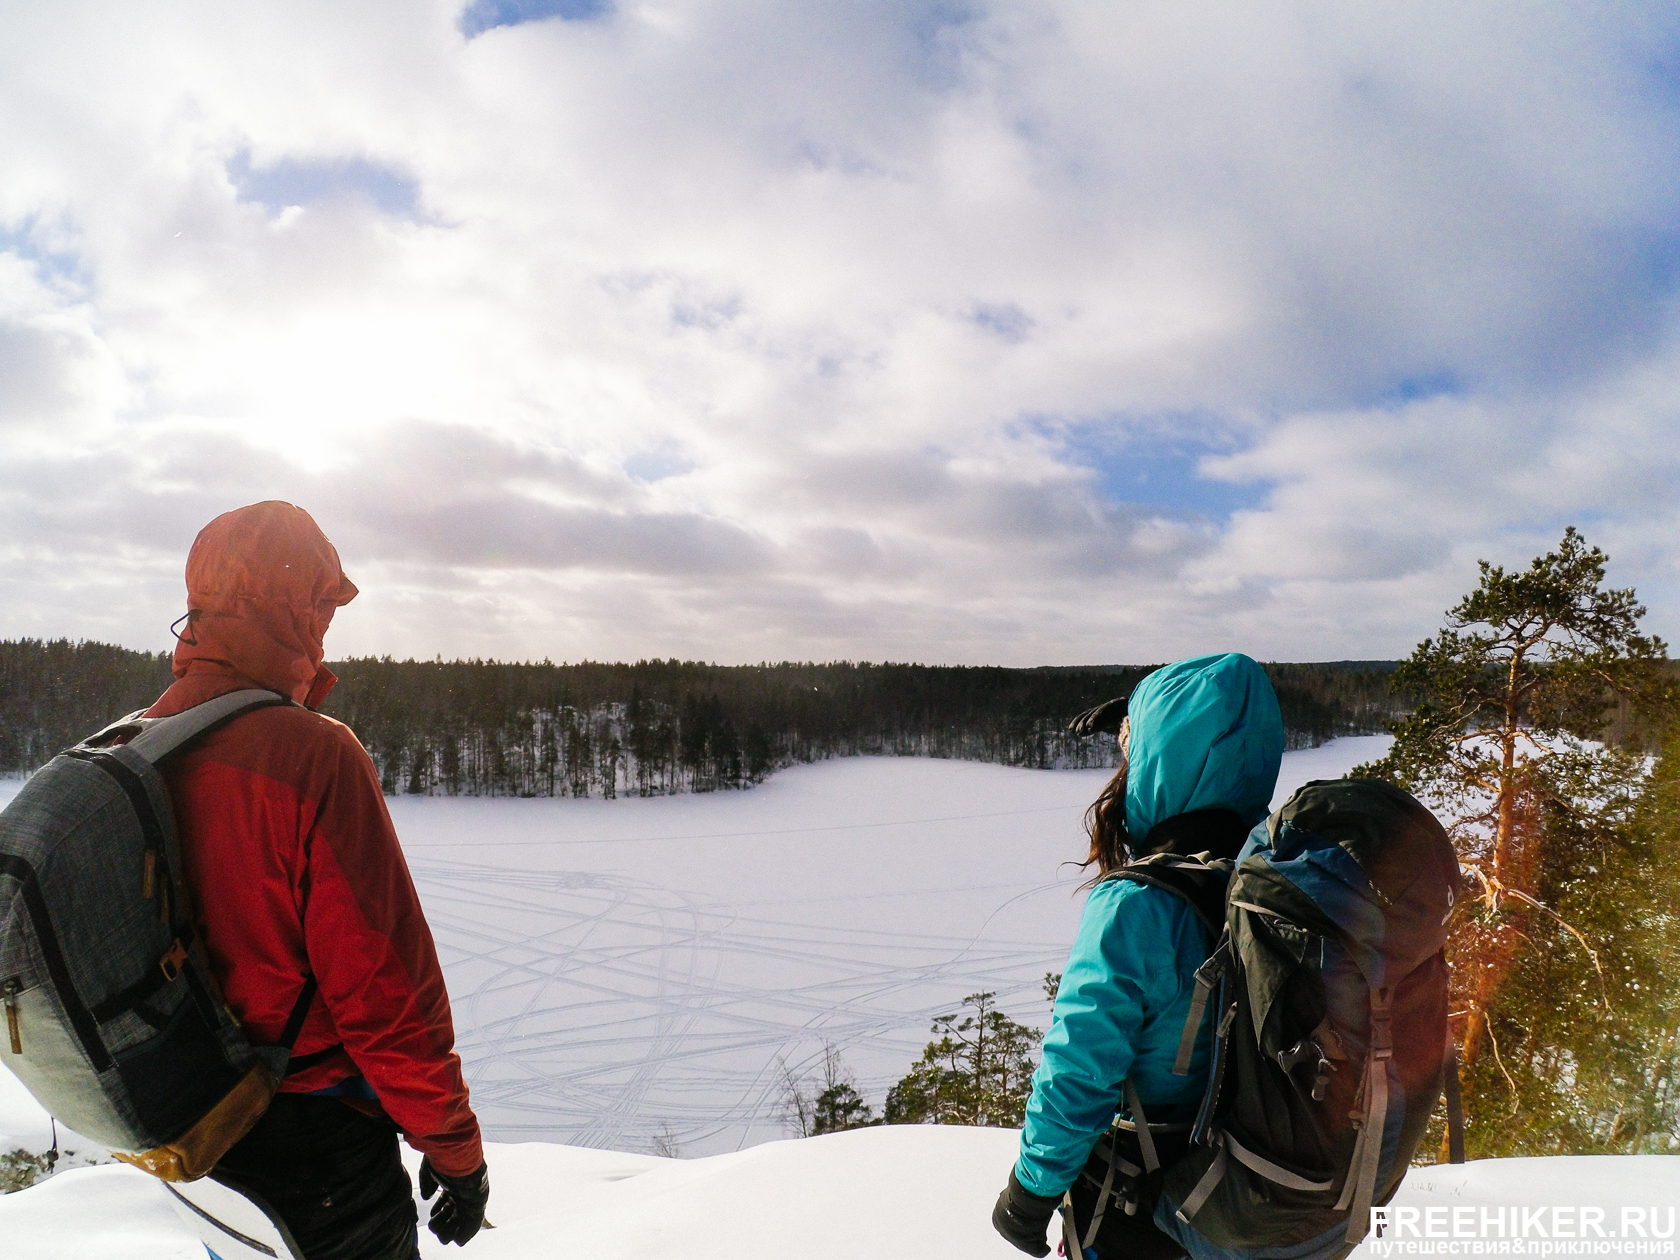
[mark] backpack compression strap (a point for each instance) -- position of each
(1208, 975)
(1360, 1188)
(1455, 1105)
(1070, 1231)
(1229, 1146)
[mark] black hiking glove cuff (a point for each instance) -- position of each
(1023, 1217)
(459, 1212)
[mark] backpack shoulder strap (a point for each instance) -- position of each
(135, 721)
(161, 736)
(1198, 881)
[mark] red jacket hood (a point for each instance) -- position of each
(263, 583)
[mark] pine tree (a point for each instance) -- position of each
(1511, 699)
(841, 1107)
(1589, 1057)
(833, 1106)
(977, 1071)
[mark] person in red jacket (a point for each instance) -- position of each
(296, 874)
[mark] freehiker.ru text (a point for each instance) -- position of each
(1552, 1230)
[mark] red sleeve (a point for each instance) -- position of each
(372, 953)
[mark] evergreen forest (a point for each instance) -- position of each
(487, 728)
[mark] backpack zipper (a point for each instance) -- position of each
(12, 987)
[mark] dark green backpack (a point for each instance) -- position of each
(1329, 987)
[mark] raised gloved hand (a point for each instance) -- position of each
(459, 1212)
(1023, 1217)
(1102, 719)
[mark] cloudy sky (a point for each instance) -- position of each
(1016, 332)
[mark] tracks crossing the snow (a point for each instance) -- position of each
(634, 971)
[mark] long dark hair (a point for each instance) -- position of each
(1105, 820)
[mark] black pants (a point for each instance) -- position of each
(333, 1175)
(1122, 1236)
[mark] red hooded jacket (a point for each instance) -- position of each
(289, 851)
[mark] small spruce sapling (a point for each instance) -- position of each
(830, 1105)
(977, 1071)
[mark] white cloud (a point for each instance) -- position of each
(741, 330)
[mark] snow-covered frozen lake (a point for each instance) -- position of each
(631, 971)
(635, 973)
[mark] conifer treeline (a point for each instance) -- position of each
(54, 693)
(483, 728)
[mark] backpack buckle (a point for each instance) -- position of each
(1308, 1051)
(173, 961)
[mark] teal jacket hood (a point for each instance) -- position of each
(1206, 734)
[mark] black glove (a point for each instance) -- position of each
(459, 1211)
(1104, 719)
(1023, 1217)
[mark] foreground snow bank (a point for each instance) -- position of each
(927, 1191)
(921, 1190)
(915, 1191)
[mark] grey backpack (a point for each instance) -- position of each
(113, 1020)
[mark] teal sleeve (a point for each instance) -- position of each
(1119, 1012)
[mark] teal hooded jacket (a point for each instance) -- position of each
(1206, 734)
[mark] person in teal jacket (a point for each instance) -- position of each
(1200, 751)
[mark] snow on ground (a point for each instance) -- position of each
(911, 1191)
(24, 1126)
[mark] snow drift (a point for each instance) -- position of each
(917, 1190)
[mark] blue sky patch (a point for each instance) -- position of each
(1654, 262)
(51, 265)
(707, 315)
(935, 27)
(1426, 385)
(1160, 471)
(484, 15)
(306, 181)
(658, 464)
(1006, 320)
